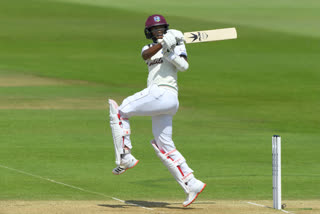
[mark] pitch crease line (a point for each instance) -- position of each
(260, 205)
(71, 186)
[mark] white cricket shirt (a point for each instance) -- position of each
(161, 71)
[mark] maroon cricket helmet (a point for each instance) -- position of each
(154, 20)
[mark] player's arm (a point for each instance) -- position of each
(147, 54)
(180, 62)
(184, 57)
(168, 42)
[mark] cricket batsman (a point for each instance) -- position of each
(165, 57)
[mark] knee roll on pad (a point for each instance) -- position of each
(117, 131)
(173, 166)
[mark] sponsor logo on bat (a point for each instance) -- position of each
(201, 36)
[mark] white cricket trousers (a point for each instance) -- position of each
(161, 103)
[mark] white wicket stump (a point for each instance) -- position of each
(276, 171)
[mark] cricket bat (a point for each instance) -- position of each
(210, 35)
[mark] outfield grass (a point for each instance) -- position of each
(61, 61)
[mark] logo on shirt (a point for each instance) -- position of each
(156, 61)
(156, 19)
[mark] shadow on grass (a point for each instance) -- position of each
(149, 204)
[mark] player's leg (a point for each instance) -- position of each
(120, 131)
(172, 158)
(144, 103)
(151, 101)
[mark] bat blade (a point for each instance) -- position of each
(210, 35)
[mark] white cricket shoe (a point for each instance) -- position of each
(195, 187)
(126, 163)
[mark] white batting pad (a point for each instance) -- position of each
(172, 166)
(117, 131)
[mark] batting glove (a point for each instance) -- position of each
(169, 41)
(178, 35)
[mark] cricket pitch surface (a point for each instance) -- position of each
(141, 207)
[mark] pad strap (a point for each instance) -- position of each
(126, 132)
(188, 177)
(177, 162)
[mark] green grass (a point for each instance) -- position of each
(234, 97)
(296, 17)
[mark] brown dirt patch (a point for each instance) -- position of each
(15, 80)
(57, 103)
(21, 102)
(172, 207)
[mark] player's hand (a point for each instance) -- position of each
(167, 52)
(177, 34)
(169, 41)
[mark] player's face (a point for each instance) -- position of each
(158, 31)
